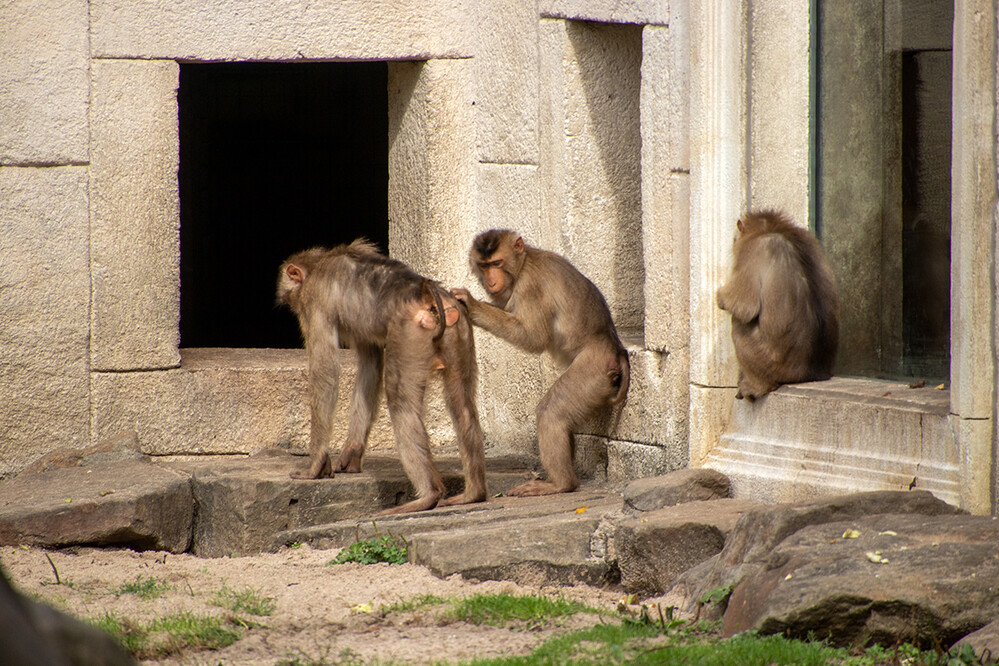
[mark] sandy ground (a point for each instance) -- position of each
(320, 611)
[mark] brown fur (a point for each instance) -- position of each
(540, 303)
(784, 305)
(397, 322)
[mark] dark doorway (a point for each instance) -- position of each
(274, 158)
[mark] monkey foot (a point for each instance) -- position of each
(464, 498)
(319, 469)
(350, 459)
(423, 504)
(537, 488)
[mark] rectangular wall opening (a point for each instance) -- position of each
(274, 158)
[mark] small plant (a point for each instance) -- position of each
(501, 609)
(248, 601)
(168, 635)
(374, 550)
(144, 588)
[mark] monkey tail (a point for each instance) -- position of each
(623, 379)
(428, 287)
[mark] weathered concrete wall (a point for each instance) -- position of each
(44, 312)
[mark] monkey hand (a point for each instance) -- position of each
(463, 296)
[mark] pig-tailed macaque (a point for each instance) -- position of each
(540, 302)
(784, 305)
(403, 328)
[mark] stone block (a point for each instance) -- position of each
(654, 549)
(506, 196)
(590, 128)
(660, 379)
(135, 246)
(506, 80)
(779, 108)
(653, 12)
(44, 82)
(627, 461)
(431, 158)
(44, 277)
(666, 185)
(511, 383)
(679, 487)
(237, 401)
(538, 551)
(133, 504)
(262, 30)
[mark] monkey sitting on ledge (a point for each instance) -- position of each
(784, 305)
(401, 330)
(540, 302)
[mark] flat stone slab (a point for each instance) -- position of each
(557, 539)
(244, 503)
(131, 503)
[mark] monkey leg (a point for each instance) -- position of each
(582, 389)
(406, 372)
(324, 375)
(363, 407)
(459, 394)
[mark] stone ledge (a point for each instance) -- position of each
(839, 436)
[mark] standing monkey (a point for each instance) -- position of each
(540, 302)
(784, 305)
(397, 323)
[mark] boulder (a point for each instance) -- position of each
(886, 579)
(656, 547)
(132, 503)
(33, 634)
(759, 531)
(985, 642)
(684, 485)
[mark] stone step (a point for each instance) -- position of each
(841, 435)
(243, 503)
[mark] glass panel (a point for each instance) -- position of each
(883, 180)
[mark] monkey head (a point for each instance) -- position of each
(293, 273)
(497, 256)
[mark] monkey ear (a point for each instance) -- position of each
(518, 245)
(296, 274)
(740, 226)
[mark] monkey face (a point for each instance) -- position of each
(493, 278)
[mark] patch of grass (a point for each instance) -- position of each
(248, 601)
(373, 550)
(169, 635)
(144, 588)
(501, 609)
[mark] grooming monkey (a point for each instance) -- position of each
(403, 328)
(784, 305)
(540, 302)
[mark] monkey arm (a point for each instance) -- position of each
(529, 335)
(741, 296)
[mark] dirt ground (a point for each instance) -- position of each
(320, 611)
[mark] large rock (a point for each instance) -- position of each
(758, 532)
(655, 548)
(895, 578)
(34, 634)
(985, 642)
(131, 503)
